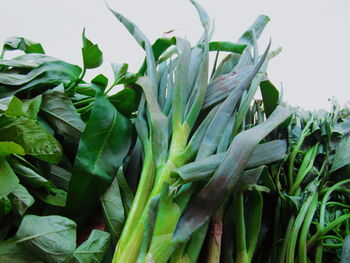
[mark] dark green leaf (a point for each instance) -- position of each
(11, 252)
(35, 140)
(92, 55)
(125, 101)
(270, 96)
(5, 208)
(102, 148)
(113, 210)
(62, 115)
(28, 173)
(51, 238)
(21, 199)
(51, 195)
(93, 249)
(8, 179)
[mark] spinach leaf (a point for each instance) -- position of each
(62, 115)
(35, 140)
(102, 148)
(93, 249)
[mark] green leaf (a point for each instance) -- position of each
(11, 252)
(226, 46)
(11, 107)
(125, 101)
(51, 195)
(270, 96)
(28, 173)
(8, 179)
(5, 208)
(102, 148)
(26, 45)
(342, 154)
(21, 199)
(113, 210)
(61, 114)
(46, 76)
(51, 238)
(32, 107)
(92, 55)
(7, 148)
(35, 140)
(93, 249)
(121, 74)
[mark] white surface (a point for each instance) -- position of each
(314, 34)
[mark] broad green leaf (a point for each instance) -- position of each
(102, 148)
(113, 210)
(46, 76)
(11, 252)
(21, 199)
(270, 96)
(7, 148)
(32, 107)
(60, 112)
(60, 176)
(226, 176)
(27, 61)
(92, 55)
(11, 107)
(26, 45)
(121, 74)
(51, 238)
(28, 173)
(342, 154)
(125, 101)
(35, 140)
(93, 249)
(51, 195)
(8, 179)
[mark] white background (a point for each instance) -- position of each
(314, 34)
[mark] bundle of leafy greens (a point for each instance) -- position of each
(181, 165)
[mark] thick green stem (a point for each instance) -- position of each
(139, 203)
(240, 230)
(128, 248)
(215, 236)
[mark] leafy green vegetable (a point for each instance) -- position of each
(8, 179)
(92, 55)
(93, 249)
(102, 148)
